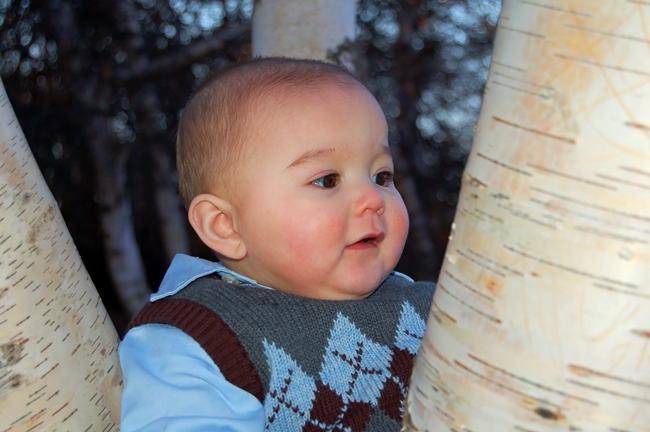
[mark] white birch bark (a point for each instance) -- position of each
(541, 319)
(58, 361)
(302, 29)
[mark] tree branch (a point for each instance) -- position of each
(182, 58)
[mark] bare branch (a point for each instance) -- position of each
(184, 57)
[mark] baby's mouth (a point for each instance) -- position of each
(371, 239)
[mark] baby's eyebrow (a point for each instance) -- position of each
(312, 155)
(384, 151)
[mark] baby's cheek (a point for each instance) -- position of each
(398, 227)
(313, 241)
(400, 220)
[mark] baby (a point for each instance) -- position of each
(286, 172)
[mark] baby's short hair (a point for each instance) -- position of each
(212, 131)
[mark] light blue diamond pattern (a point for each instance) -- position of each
(410, 329)
(347, 367)
(293, 389)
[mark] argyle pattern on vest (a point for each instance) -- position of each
(315, 365)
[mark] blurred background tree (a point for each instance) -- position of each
(98, 87)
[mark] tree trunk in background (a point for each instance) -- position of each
(315, 29)
(170, 211)
(58, 360)
(541, 320)
(168, 204)
(120, 245)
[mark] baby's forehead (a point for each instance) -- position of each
(265, 108)
(259, 87)
(297, 100)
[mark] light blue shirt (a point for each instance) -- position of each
(170, 382)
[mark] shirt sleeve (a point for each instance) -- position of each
(171, 384)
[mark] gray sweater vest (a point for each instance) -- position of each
(316, 365)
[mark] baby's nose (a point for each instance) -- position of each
(371, 199)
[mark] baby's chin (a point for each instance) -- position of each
(357, 289)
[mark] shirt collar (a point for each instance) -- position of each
(185, 269)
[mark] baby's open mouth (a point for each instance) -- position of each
(369, 243)
(373, 239)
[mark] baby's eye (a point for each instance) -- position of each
(327, 182)
(383, 178)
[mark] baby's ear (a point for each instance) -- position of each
(212, 219)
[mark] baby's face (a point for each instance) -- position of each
(317, 209)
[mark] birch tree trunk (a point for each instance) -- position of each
(315, 29)
(541, 319)
(171, 213)
(120, 245)
(58, 361)
(168, 204)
